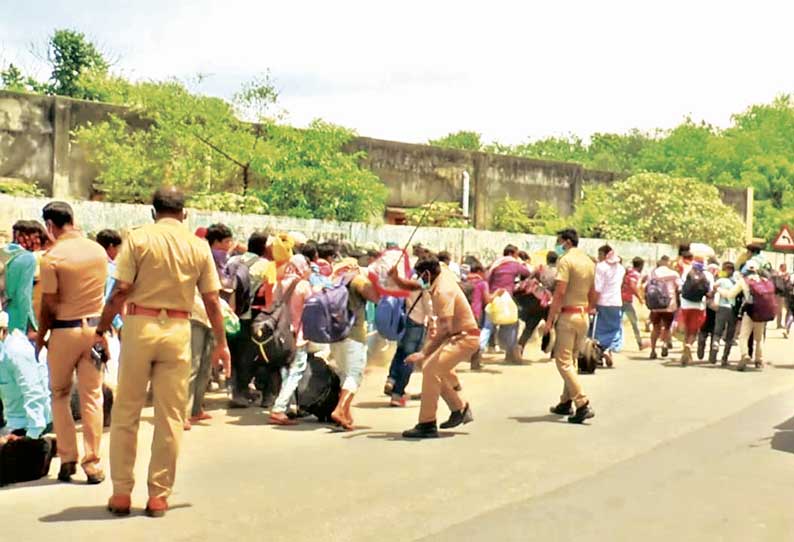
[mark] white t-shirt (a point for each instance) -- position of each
(608, 282)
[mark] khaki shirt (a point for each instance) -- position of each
(577, 270)
(449, 301)
(76, 269)
(165, 262)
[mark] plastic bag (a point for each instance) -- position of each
(503, 311)
(378, 272)
(231, 322)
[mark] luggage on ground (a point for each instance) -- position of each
(318, 389)
(25, 459)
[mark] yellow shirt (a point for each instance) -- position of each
(577, 270)
(76, 269)
(165, 263)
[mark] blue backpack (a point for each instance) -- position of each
(327, 317)
(390, 318)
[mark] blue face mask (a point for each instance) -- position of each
(559, 249)
(423, 283)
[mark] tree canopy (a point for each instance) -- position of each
(70, 54)
(199, 143)
(756, 150)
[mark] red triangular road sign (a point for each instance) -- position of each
(784, 239)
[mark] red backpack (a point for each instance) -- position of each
(764, 305)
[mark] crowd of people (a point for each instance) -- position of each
(176, 311)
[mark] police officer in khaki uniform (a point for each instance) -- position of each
(73, 275)
(158, 270)
(574, 295)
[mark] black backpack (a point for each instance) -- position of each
(696, 286)
(318, 389)
(240, 275)
(271, 332)
(26, 459)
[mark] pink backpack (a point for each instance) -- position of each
(764, 305)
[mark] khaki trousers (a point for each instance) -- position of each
(756, 329)
(438, 374)
(571, 332)
(156, 351)
(69, 350)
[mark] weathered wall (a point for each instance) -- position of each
(35, 144)
(26, 138)
(93, 216)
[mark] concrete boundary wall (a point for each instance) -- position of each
(93, 216)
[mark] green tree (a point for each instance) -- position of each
(463, 140)
(658, 208)
(71, 54)
(171, 135)
(511, 215)
(13, 79)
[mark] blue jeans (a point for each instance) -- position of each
(507, 336)
(290, 378)
(411, 342)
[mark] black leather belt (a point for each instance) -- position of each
(69, 324)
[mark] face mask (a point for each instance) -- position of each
(559, 249)
(423, 283)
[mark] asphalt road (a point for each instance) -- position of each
(696, 453)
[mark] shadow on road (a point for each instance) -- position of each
(783, 439)
(95, 513)
(381, 405)
(41, 482)
(551, 418)
(398, 436)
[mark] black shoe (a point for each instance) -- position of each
(713, 357)
(388, 388)
(458, 417)
(653, 355)
(476, 361)
(665, 351)
(68, 470)
(701, 352)
(239, 400)
(563, 409)
(583, 413)
(422, 430)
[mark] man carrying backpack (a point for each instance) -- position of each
(294, 289)
(725, 321)
(350, 353)
(246, 274)
(661, 297)
(697, 284)
(761, 307)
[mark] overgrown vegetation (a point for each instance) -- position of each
(757, 151)
(438, 214)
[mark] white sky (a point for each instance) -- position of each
(414, 70)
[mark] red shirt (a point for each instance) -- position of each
(630, 282)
